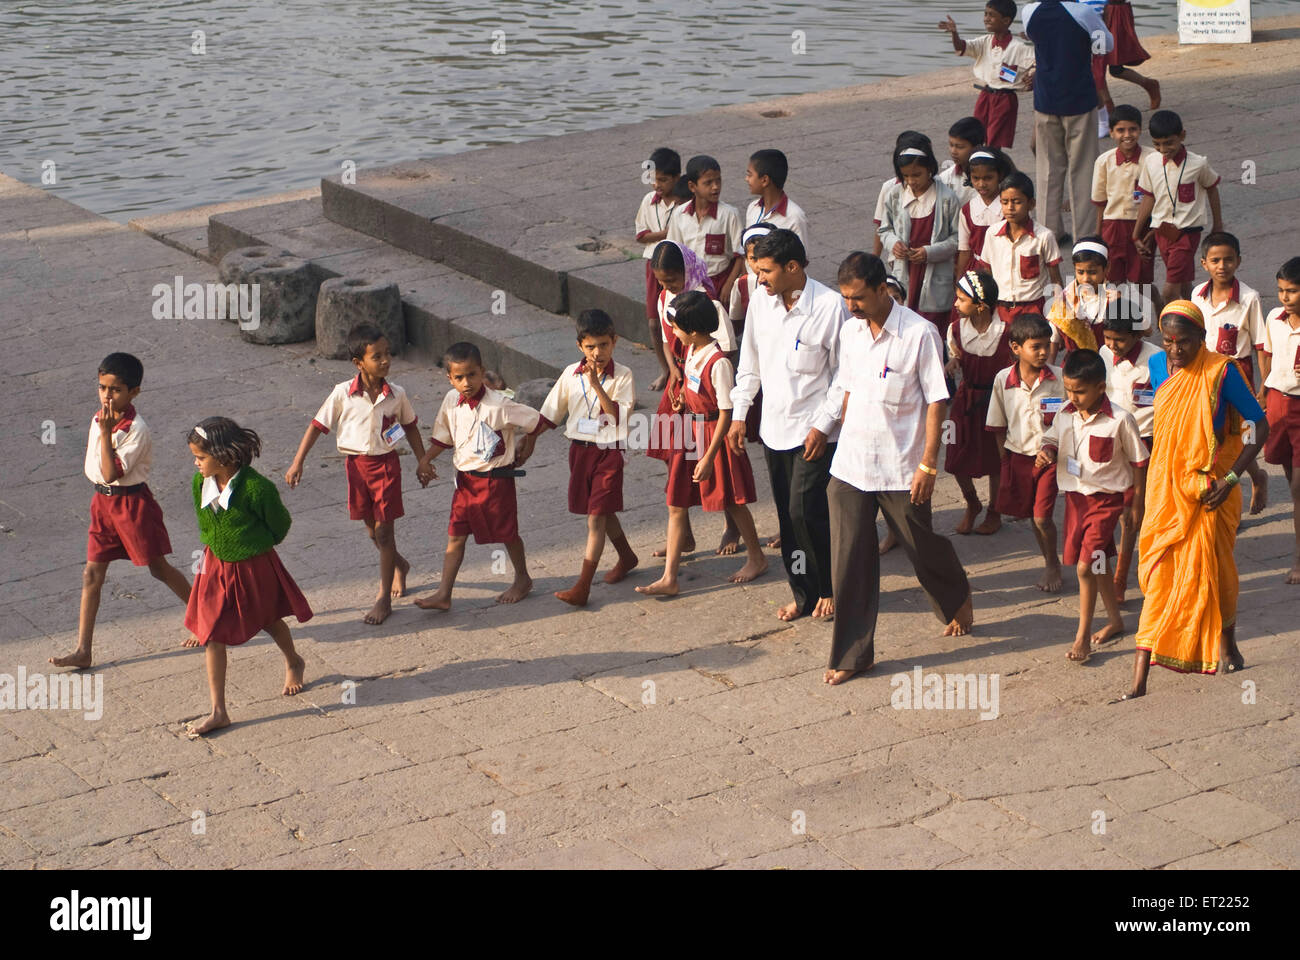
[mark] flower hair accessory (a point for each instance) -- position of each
(971, 286)
(201, 432)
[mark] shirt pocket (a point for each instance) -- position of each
(715, 244)
(1186, 193)
(892, 393)
(1227, 344)
(806, 358)
(1101, 449)
(1030, 266)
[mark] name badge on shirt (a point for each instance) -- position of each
(1007, 72)
(1144, 398)
(1073, 467)
(1051, 404)
(693, 381)
(393, 434)
(588, 426)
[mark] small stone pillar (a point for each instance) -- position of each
(347, 301)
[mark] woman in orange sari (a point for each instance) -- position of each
(1186, 568)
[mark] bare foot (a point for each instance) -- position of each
(889, 543)
(825, 608)
(962, 622)
(517, 591)
(1294, 576)
(293, 677)
(1258, 497)
(437, 600)
(789, 612)
(1080, 652)
(77, 658)
(729, 544)
(688, 548)
(1112, 631)
(991, 525)
(1152, 87)
(774, 543)
(380, 611)
(755, 568)
(660, 588)
(191, 641)
(399, 579)
(215, 721)
(968, 518)
(836, 677)
(657, 384)
(1051, 582)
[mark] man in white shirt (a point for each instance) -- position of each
(791, 350)
(893, 399)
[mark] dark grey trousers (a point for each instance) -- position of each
(799, 492)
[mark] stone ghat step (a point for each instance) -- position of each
(439, 304)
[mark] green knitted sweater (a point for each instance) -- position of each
(255, 521)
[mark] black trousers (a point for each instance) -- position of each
(855, 559)
(799, 491)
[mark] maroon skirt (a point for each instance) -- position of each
(1128, 51)
(231, 603)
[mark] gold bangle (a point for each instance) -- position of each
(930, 470)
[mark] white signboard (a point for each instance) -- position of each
(1214, 21)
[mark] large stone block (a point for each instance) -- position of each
(287, 290)
(344, 302)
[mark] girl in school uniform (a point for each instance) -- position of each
(980, 348)
(986, 168)
(707, 473)
(242, 587)
(908, 138)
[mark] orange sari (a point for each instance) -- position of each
(1186, 569)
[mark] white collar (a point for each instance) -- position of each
(210, 493)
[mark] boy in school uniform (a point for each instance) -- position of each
(964, 138)
(1280, 365)
(593, 398)
(652, 218)
(369, 416)
(1004, 65)
(1180, 193)
(489, 436)
(1098, 456)
(1026, 399)
(126, 522)
(1022, 255)
(765, 176)
(1115, 194)
(1127, 355)
(710, 227)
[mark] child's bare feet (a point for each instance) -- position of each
(293, 677)
(1081, 651)
(889, 543)
(657, 384)
(961, 623)
(522, 586)
(1152, 87)
(836, 677)
(191, 641)
(1294, 576)
(399, 578)
(380, 611)
(215, 721)
(660, 588)
(438, 600)
(825, 608)
(729, 543)
(968, 518)
(752, 570)
(991, 525)
(788, 612)
(1051, 582)
(77, 658)
(1113, 630)
(688, 547)
(774, 543)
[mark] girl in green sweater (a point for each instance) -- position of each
(242, 587)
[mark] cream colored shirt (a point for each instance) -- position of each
(573, 402)
(482, 433)
(1001, 67)
(725, 334)
(1236, 324)
(1128, 383)
(1114, 183)
(716, 239)
(1097, 455)
(983, 215)
(1282, 341)
(722, 376)
(786, 215)
(1178, 186)
(1024, 410)
(132, 449)
(972, 341)
(653, 216)
(1020, 267)
(360, 424)
(210, 493)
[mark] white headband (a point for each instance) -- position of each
(1091, 246)
(911, 152)
(756, 230)
(201, 432)
(670, 312)
(980, 155)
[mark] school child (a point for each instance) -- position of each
(740, 294)
(1115, 194)
(986, 168)
(498, 382)
(708, 226)
(1025, 400)
(370, 416)
(1280, 366)
(1127, 355)
(1022, 255)
(489, 436)
(1180, 192)
(908, 138)
(1077, 314)
(1127, 51)
(706, 472)
(765, 176)
(1003, 65)
(980, 348)
(1098, 456)
(919, 232)
(652, 218)
(593, 398)
(242, 587)
(897, 292)
(964, 138)
(125, 520)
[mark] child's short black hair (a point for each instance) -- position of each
(1126, 112)
(125, 367)
(1165, 123)
(925, 158)
(1085, 365)
(995, 158)
(771, 164)
(782, 246)
(227, 441)
(1018, 180)
(462, 352)
(694, 312)
(866, 267)
(361, 336)
(667, 161)
(1290, 271)
(1029, 326)
(970, 130)
(1005, 7)
(1090, 256)
(1220, 238)
(1120, 314)
(667, 256)
(595, 323)
(699, 165)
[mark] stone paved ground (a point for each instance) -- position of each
(521, 736)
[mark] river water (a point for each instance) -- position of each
(135, 121)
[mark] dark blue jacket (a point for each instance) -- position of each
(1065, 37)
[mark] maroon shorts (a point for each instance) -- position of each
(1090, 521)
(485, 507)
(231, 602)
(1283, 445)
(1008, 313)
(126, 526)
(652, 291)
(998, 112)
(1024, 491)
(1179, 256)
(595, 479)
(1125, 264)
(375, 487)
